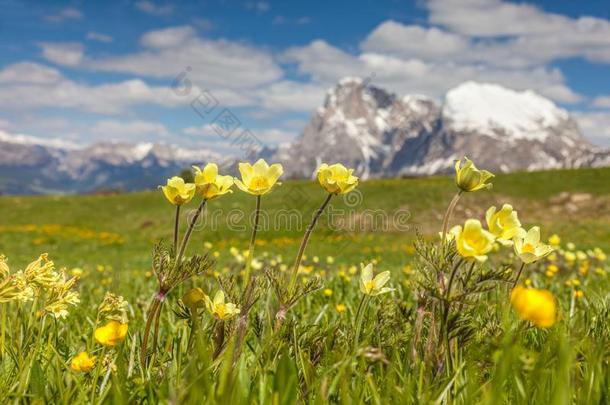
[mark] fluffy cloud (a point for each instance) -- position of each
(99, 37)
(68, 13)
(595, 126)
(168, 52)
(129, 130)
(327, 64)
(154, 9)
(28, 72)
(602, 101)
(63, 53)
(26, 86)
(534, 36)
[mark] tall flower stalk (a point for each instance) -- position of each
(171, 272)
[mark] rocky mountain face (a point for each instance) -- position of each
(30, 166)
(382, 135)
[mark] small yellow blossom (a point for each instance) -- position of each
(473, 241)
(328, 292)
(336, 179)
(504, 224)
(177, 191)
(259, 178)
(537, 306)
(373, 286)
(554, 240)
(83, 362)
(468, 178)
(194, 298)
(552, 268)
(330, 260)
(77, 272)
(219, 309)
(340, 308)
(578, 294)
(111, 334)
(209, 184)
(529, 248)
(570, 256)
(570, 246)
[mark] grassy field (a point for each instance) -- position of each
(398, 355)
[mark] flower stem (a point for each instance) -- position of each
(448, 214)
(154, 307)
(189, 231)
(252, 240)
(176, 226)
(518, 274)
(308, 231)
(359, 317)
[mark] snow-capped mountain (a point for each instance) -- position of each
(30, 165)
(381, 134)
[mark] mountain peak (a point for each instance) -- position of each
(493, 110)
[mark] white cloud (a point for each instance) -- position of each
(327, 64)
(602, 102)
(213, 63)
(595, 126)
(29, 72)
(292, 96)
(99, 37)
(44, 87)
(68, 13)
(63, 53)
(413, 41)
(128, 130)
(534, 35)
(154, 9)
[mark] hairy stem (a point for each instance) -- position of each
(518, 274)
(308, 231)
(176, 226)
(189, 231)
(448, 214)
(154, 306)
(359, 318)
(252, 240)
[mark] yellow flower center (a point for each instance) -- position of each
(369, 285)
(220, 310)
(528, 248)
(259, 182)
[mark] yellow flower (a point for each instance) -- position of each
(340, 308)
(468, 178)
(336, 179)
(504, 224)
(570, 256)
(259, 178)
(473, 241)
(537, 306)
(328, 292)
(373, 286)
(83, 362)
(529, 248)
(177, 191)
(111, 334)
(209, 184)
(578, 294)
(219, 309)
(4, 270)
(554, 240)
(194, 298)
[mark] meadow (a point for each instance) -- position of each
(325, 339)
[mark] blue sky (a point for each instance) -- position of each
(90, 71)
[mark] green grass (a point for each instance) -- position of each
(400, 357)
